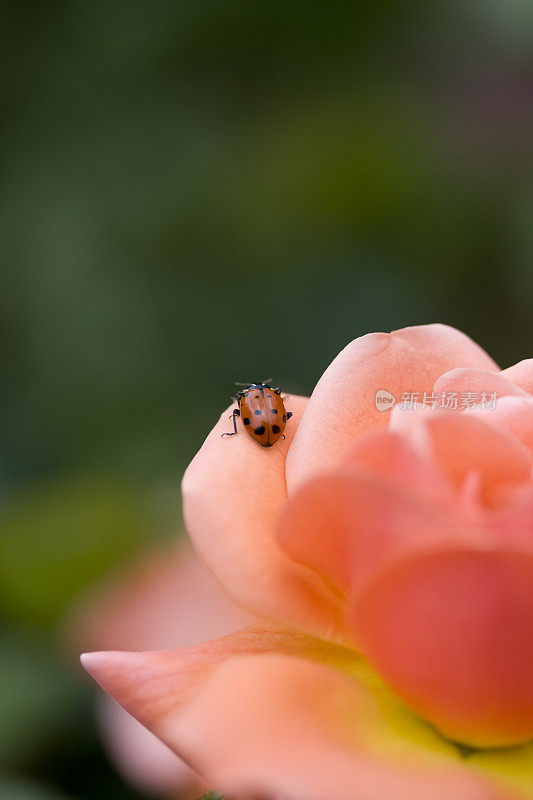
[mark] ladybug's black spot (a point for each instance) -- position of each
(257, 397)
(246, 420)
(258, 412)
(273, 410)
(284, 418)
(276, 429)
(260, 430)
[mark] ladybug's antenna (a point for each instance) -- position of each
(267, 380)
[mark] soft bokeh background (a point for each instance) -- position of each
(201, 191)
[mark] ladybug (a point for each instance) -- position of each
(263, 413)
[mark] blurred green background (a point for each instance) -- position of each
(202, 191)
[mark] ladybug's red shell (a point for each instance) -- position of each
(263, 414)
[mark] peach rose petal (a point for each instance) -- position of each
(329, 729)
(390, 458)
(154, 685)
(233, 491)
(521, 374)
(451, 632)
(321, 736)
(316, 528)
(345, 525)
(476, 381)
(461, 444)
(512, 525)
(343, 406)
(142, 759)
(165, 598)
(406, 420)
(514, 415)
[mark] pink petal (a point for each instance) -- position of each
(342, 406)
(155, 684)
(512, 524)
(521, 374)
(477, 381)
(390, 457)
(232, 494)
(462, 444)
(513, 415)
(276, 725)
(142, 759)
(345, 527)
(451, 632)
(407, 420)
(165, 599)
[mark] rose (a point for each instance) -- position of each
(391, 553)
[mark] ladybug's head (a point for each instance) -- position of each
(257, 385)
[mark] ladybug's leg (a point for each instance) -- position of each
(289, 414)
(233, 416)
(277, 391)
